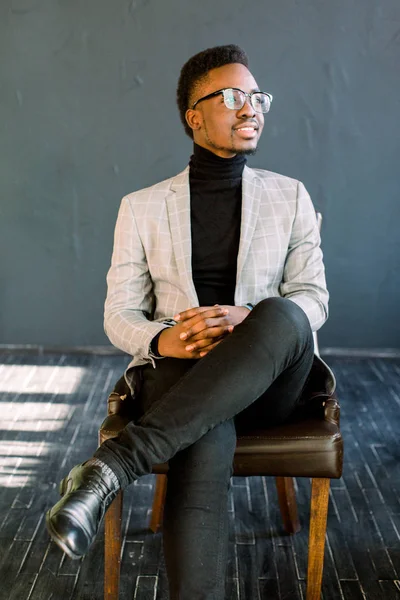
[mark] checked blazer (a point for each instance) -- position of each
(150, 278)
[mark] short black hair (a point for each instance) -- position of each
(196, 69)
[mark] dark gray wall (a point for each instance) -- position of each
(87, 93)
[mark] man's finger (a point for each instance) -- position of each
(202, 325)
(210, 333)
(199, 310)
(191, 312)
(210, 318)
(208, 349)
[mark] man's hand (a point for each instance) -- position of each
(200, 329)
(174, 341)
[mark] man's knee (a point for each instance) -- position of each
(286, 313)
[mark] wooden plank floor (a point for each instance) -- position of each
(51, 408)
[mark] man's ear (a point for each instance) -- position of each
(193, 119)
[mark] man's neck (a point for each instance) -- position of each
(220, 152)
(204, 164)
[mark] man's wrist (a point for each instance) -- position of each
(154, 345)
(249, 306)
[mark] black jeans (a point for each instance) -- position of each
(191, 409)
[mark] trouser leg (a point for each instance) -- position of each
(195, 528)
(274, 339)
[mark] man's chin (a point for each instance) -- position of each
(245, 147)
(246, 151)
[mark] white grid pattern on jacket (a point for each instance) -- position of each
(150, 278)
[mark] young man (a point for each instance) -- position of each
(215, 287)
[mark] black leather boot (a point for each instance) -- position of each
(86, 493)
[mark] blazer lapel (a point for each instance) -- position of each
(178, 207)
(251, 193)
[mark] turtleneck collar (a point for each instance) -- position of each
(207, 165)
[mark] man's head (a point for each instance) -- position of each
(216, 122)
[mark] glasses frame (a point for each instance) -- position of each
(245, 94)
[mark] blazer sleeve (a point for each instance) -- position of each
(303, 279)
(130, 299)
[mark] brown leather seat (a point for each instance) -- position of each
(310, 445)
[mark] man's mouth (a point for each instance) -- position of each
(246, 131)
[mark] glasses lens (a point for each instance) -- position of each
(261, 102)
(233, 99)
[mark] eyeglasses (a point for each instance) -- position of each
(234, 98)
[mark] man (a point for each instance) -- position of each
(215, 286)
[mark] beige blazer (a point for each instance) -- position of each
(150, 278)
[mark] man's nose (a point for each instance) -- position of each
(247, 109)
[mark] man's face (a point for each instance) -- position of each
(217, 127)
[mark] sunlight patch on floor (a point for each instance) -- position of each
(28, 379)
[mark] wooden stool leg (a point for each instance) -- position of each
(287, 504)
(112, 548)
(158, 503)
(316, 543)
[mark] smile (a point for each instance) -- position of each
(246, 132)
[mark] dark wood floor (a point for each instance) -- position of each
(51, 407)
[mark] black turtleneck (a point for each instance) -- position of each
(215, 215)
(215, 205)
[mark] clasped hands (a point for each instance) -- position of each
(199, 330)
